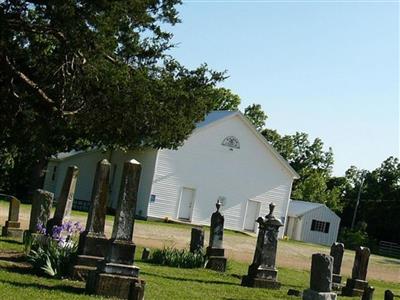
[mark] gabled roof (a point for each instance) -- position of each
(216, 116)
(298, 208)
(212, 118)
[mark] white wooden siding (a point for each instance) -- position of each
(87, 161)
(213, 170)
(323, 214)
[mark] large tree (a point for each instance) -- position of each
(379, 204)
(92, 73)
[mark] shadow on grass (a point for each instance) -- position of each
(61, 288)
(20, 269)
(17, 258)
(10, 241)
(189, 279)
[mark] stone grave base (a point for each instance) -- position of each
(260, 283)
(122, 252)
(92, 245)
(216, 263)
(12, 232)
(111, 285)
(215, 251)
(354, 287)
(84, 264)
(120, 269)
(313, 295)
(336, 282)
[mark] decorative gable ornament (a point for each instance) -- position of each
(231, 142)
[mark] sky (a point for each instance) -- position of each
(327, 68)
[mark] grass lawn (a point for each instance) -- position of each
(17, 282)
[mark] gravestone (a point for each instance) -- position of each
(93, 242)
(64, 203)
(262, 272)
(337, 250)
(368, 293)
(116, 276)
(389, 295)
(196, 240)
(357, 283)
(320, 278)
(145, 253)
(215, 251)
(12, 226)
(40, 211)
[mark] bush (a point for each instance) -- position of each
(352, 238)
(52, 254)
(173, 257)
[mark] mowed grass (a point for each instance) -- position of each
(17, 282)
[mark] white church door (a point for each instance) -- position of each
(186, 203)
(252, 213)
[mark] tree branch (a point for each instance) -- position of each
(31, 83)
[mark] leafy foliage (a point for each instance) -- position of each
(53, 254)
(77, 74)
(173, 257)
(256, 115)
(224, 99)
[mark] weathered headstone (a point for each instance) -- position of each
(40, 211)
(64, 203)
(262, 272)
(368, 293)
(145, 253)
(116, 276)
(93, 242)
(337, 250)
(320, 278)
(12, 226)
(389, 295)
(215, 251)
(196, 240)
(357, 283)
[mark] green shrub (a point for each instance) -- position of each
(173, 257)
(53, 253)
(353, 238)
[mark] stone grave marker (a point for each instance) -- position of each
(196, 239)
(337, 250)
(40, 211)
(145, 253)
(12, 225)
(389, 295)
(320, 278)
(64, 203)
(368, 293)
(116, 276)
(356, 285)
(93, 242)
(262, 272)
(215, 251)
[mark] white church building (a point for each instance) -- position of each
(224, 158)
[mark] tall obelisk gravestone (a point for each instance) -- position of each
(93, 242)
(116, 276)
(337, 250)
(215, 251)
(356, 285)
(64, 203)
(262, 272)
(12, 226)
